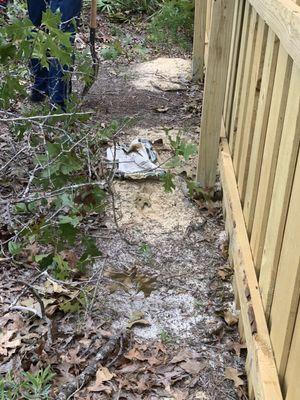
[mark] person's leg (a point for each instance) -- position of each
(59, 82)
(35, 10)
(41, 74)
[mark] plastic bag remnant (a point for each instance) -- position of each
(136, 161)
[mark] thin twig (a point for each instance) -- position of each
(42, 117)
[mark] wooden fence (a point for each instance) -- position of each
(250, 51)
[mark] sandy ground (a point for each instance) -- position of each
(169, 255)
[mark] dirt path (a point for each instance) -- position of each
(168, 268)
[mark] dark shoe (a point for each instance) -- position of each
(37, 96)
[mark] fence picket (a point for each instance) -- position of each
(260, 129)
(270, 155)
(252, 102)
(239, 78)
(245, 89)
(287, 157)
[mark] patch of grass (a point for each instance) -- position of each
(173, 23)
(31, 386)
(166, 337)
(127, 6)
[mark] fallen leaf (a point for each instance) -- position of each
(142, 322)
(135, 354)
(233, 375)
(230, 318)
(238, 347)
(185, 355)
(137, 318)
(100, 388)
(192, 367)
(103, 375)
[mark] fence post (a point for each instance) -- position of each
(199, 39)
(214, 91)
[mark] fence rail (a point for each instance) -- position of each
(250, 52)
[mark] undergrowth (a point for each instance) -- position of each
(30, 386)
(170, 21)
(173, 23)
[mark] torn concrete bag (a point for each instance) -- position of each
(136, 161)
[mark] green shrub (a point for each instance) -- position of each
(128, 6)
(173, 23)
(31, 386)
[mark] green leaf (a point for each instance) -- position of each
(68, 233)
(44, 260)
(167, 180)
(62, 269)
(66, 219)
(14, 248)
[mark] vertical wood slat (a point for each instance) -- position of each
(260, 129)
(239, 78)
(284, 176)
(245, 89)
(234, 61)
(214, 91)
(270, 155)
(252, 102)
(261, 364)
(291, 387)
(199, 39)
(287, 288)
(208, 28)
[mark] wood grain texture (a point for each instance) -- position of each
(261, 362)
(199, 40)
(270, 155)
(251, 40)
(283, 17)
(287, 288)
(291, 385)
(239, 78)
(286, 163)
(261, 123)
(214, 92)
(252, 105)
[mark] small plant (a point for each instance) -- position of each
(145, 249)
(166, 337)
(31, 386)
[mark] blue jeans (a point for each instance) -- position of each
(52, 80)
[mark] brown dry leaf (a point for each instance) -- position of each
(70, 257)
(233, 375)
(225, 272)
(192, 367)
(230, 318)
(103, 375)
(153, 361)
(8, 342)
(178, 394)
(129, 368)
(72, 357)
(141, 322)
(185, 355)
(53, 287)
(100, 388)
(135, 354)
(238, 347)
